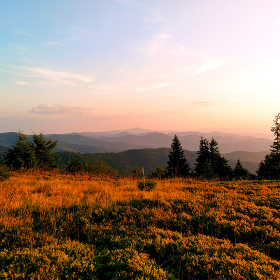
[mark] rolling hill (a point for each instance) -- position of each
(190, 141)
(125, 150)
(150, 158)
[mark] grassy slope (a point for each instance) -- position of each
(54, 226)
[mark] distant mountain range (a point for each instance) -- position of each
(190, 141)
(113, 144)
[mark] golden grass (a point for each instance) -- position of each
(37, 207)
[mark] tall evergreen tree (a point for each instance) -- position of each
(214, 155)
(219, 164)
(276, 131)
(209, 163)
(22, 154)
(203, 163)
(239, 171)
(43, 151)
(270, 167)
(177, 165)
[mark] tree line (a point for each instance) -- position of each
(210, 164)
(37, 155)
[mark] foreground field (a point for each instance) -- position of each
(65, 227)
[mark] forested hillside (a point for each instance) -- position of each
(136, 159)
(128, 156)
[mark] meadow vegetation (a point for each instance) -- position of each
(57, 226)
(86, 221)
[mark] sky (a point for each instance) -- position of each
(99, 65)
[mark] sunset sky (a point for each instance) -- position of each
(97, 65)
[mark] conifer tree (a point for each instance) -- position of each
(203, 162)
(43, 151)
(262, 170)
(214, 155)
(270, 167)
(219, 164)
(239, 171)
(209, 162)
(276, 131)
(177, 165)
(22, 154)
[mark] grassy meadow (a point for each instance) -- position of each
(55, 226)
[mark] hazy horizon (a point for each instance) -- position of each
(143, 131)
(206, 65)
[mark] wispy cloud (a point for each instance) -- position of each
(24, 33)
(160, 18)
(153, 87)
(20, 82)
(162, 85)
(210, 64)
(58, 75)
(48, 77)
(53, 43)
(157, 17)
(157, 42)
(48, 109)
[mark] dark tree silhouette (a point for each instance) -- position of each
(276, 131)
(43, 151)
(209, 162)
(239, 172)
(203, 161)
(270, 167)
(22, 154)
(75, 166)
(177, 165)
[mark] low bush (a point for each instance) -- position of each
(4, 172)
(146, 185)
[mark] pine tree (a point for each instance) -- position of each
(43, 151)
(262, 170)
(276, 131)
(209, 162)
(203, 163)
(239, 171)
(270, 167)
(22, 154)
(219, 164)
(214, 155)
(177, 165)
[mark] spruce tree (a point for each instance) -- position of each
(22, 154)
(219, 164)
(209, 162)
(43, 151)
(276, 131)
(270, 167)
(177, 165)
(239, 171)
(215, 156)
(203, 167)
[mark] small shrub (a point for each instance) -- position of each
(147, 185)
(4, 172)
(75, 166)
